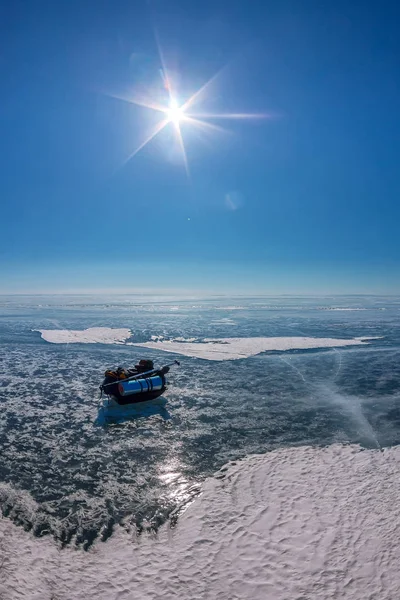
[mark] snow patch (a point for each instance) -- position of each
(235, 348)
(294, 523)
(92, 335)
(224, 321)
(341, 309)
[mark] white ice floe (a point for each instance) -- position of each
(92, 335)
(224, 321)
(340, 309)
(300, 523)
(230, 308)
(235, 348)
(209, 348)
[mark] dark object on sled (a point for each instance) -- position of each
(130, 386)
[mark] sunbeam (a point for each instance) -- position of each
(159, 127)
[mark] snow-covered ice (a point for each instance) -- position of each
(302, 523)
(305, 518)
(92, 335)
(235, 348)
(209, 348)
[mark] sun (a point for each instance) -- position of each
(174, 113)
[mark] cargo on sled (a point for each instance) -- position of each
(142, 383)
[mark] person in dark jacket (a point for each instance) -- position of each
(147, 366)
(144, 365)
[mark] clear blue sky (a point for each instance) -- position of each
(305, 201)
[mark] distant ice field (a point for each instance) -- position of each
(64, 474)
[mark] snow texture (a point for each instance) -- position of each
(295, 524)
(92, 335)
(235, 348)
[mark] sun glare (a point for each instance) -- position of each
(174, 113)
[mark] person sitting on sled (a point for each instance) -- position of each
(147, 366)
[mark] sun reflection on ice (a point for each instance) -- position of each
(180, 490)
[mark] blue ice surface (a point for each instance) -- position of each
(62, 473)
